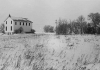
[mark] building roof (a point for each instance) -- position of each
(19, 19)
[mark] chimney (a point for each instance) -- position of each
(9, 15)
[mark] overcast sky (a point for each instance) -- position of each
(45, 12)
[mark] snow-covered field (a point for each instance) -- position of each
(50, 52)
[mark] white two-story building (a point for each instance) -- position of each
(14, 23)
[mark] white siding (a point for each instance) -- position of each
(25, 28)
(8, 25)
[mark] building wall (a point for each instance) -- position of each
(25, 27)
(8, 25)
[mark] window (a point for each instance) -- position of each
(6, 28)
(29, 24)
(20, 23)
(11, 28)
(15, 23)
(11, 22)
(23, 23)
(26, 24)
(6, 22)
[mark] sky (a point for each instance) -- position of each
(45, 12)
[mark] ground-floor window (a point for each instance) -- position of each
(20, 23)
(15, 23)
(6, 28)
(29, 24)
(9, 33)
(11, 28)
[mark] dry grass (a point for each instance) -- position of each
(49, 52)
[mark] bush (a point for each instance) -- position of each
(48, 28)
(32, 31)
(20, 30)
(16, 31)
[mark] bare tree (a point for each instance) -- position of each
(82, 23)
(2, 26)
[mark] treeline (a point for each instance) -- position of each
(79, 26)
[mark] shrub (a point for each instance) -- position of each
(20, 30)
(16, 31)
(48, 28)
(32, 31)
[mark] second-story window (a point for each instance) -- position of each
(26, 23)
(11, 28)
(11, 22)
(23, 23)
(15, 23)
(29, 24)
(6, 22)
(20, 23)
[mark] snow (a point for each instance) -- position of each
(50, 52)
